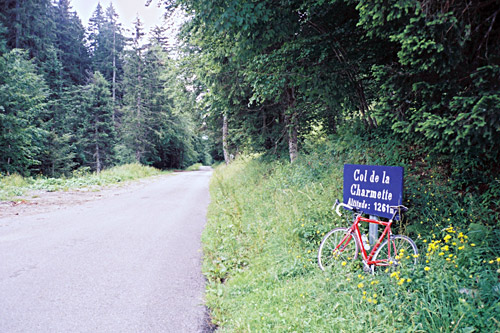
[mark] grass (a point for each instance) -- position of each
(13, 186)
(266, 219)
(194, 167)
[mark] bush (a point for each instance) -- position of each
(194, 167)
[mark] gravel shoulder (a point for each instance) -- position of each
(35, 202)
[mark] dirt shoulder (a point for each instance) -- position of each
(34, 202)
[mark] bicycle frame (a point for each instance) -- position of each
(367, 258)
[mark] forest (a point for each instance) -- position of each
(425, 73)
(90, 98)
(248, 76)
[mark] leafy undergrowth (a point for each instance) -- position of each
(264, 225)
(194, 167)
(15, 185)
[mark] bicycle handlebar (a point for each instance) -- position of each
(338, 204)
(341, 204)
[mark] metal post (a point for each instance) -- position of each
(373, 231)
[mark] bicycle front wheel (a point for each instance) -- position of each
(400, 252)
(339, 246)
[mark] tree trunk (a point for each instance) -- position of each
(225, 133)
(97, 152)
(293, 145)
(9, 159)
(363, 104)
(138, 150)
(18, 25)
(291, 123)
(114, 72)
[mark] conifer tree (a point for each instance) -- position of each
(22, 104)
(96, 22)
(70, 42)
(97, 132)
(136, 113)
(107, 43)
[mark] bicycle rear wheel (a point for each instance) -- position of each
(402, 252)
(339, 246)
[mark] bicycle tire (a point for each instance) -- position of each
(327, 255)
(404, 252)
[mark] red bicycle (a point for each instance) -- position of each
(341, 245)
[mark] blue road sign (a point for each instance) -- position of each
(373, 188)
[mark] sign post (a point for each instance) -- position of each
(373, 189)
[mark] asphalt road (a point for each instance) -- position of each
(126, 263)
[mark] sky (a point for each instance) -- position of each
(127, 11)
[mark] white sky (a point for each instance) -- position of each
(127, 11)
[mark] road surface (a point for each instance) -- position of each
(126, 263)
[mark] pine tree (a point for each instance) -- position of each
(70, 43)
(30, 26)
(96, 22)
(136, 113)
(107, 43)
(22, 104)
(97, 133)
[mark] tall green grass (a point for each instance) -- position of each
(14, 186)
(264, 225)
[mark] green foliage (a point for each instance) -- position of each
(157, 123)
(14, 186)
(441, 91)
(22, 103)
(68, 120)
(426, 71)
(107, 44)
(194, 167)
(72, 52)
(275, 69)
(266, 219)
(97, 132)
